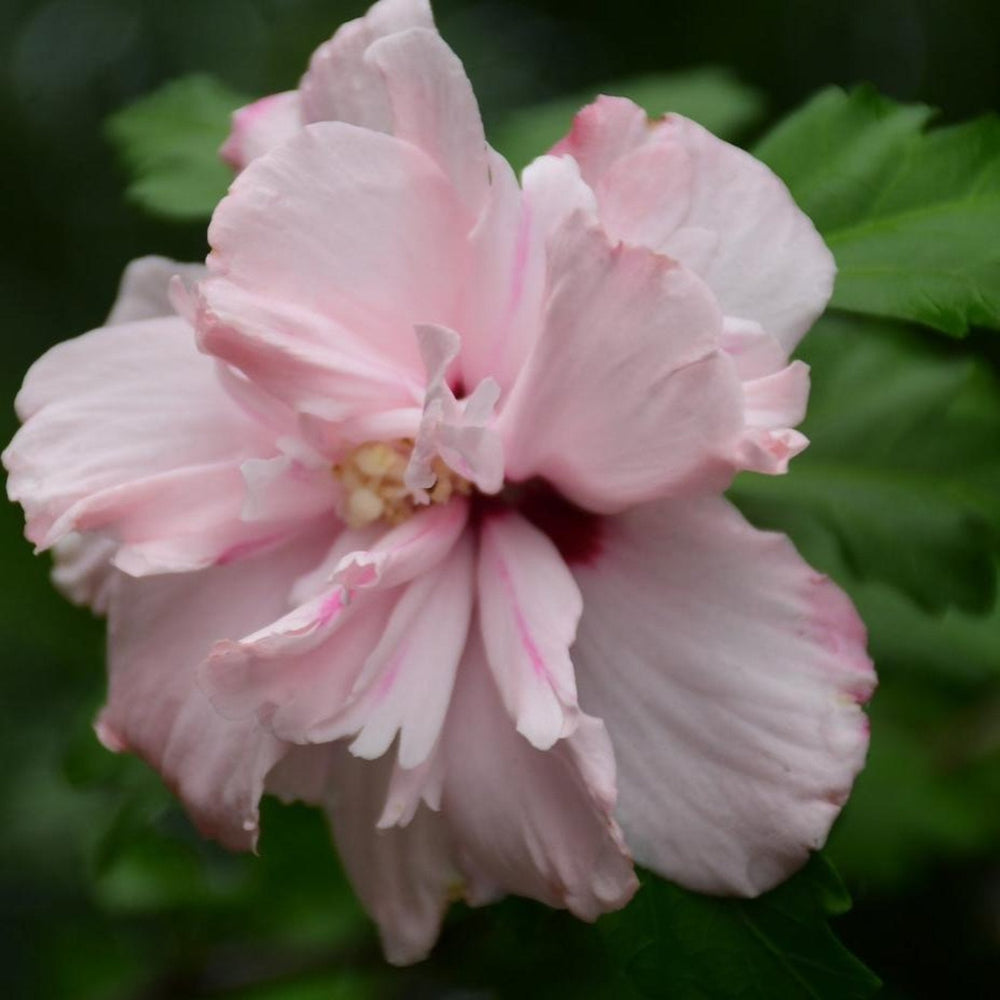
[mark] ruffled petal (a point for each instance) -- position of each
(730, 676)
(128, 431)
(458, 433)
(340, 84)
(628, 395)
(525, 821)
(372, 653)
(160, 630)
(433, 106)
(404, 876)
(405, 685)
(677, 189)
(144, 289)
(306, 360)
(262, 125)
(502, 301)
(529, 606)
(343, 226)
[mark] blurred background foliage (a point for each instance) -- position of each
(107, 894)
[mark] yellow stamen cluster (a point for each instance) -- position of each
(373, 480)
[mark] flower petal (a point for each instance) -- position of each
(729, 674)
(144, 289)
(349, 226)
(160, 630)
(340, 84)
(307, 360)
(433, 107)
(679, 190)
(456, 432)
(261, 126)
(529, 606)
(525, 821)
(502, 305)
(404, 876)
(405, 685)
(627, 395)
(352, 658)
(126, 429)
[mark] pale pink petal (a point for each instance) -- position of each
(459, 433)
(627, 395)
(349, 226)
(602, 132)
(525, 821)
(407, 550)
(82, 570)
(286, 488)
(774, 396)
(260, 126)
(409, 787)
(754, 351)
(554, 190)
(350, 655)
(341, 85)
(529, 606)
(433, 107)
(502, 304)
(160, 630)
(120, 426)
(143, 292)
(729, 675)
(404, 876)
(306, 360)
(677, 189)
(405, 685)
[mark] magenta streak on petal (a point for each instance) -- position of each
(537, 662)
(329, 609)
(391, 672)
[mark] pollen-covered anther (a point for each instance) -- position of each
(374, 487)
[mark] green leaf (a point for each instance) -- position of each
(686, 946)
(169, 144)
(711, 96)
(901, 482)
(911, 216)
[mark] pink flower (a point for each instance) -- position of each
(413, 507)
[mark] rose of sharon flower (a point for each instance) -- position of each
(410, 504)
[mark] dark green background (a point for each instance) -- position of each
(106, 893)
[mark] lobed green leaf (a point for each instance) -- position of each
(169, 145)
(911, 216)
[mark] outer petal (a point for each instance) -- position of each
(534, 823)
(433, 107)
(529, 606)
(348, 226)
(729, 675)
(681, 191)
(341, 85)
(82, 569)
(627, 395)
(261, 126)
(160, 629)
(404, 876)
(119, 426)
(144, 289)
